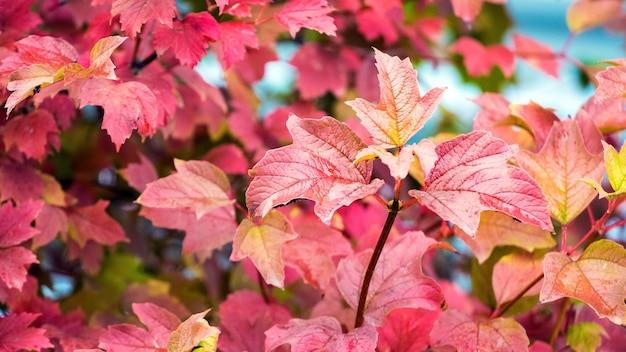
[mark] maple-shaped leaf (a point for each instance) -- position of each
(235, 36)
(50, 222)
(189, 38)
(498, 229)
(313, 254)
(17, 19)
(238, 8)
(312, 14)
(373, 24)
(127, 338)
(52, 51)
(585, 14)
(608, 115)
(407, 330)
(127, 106)
(134, 13)
(398, 163)
(20, 182)
(398, 282)
(512, 273)
(15, 222)
(535, 119)
(244, 318)
(597, 277)
(92, 223)
(263, 243)
(559, 167)
(401, 111)
(13, 264)
(30, 133)
(24, 82)
(466, 334)
(194, 331)
(229, 158)
(100, 63)
(140, 174)
(320, 69)
(536, 54)
(198, 186)
(472, 175)
(159, 321)
(611, 83)
(479, 59)
(320, 334)
(317, 166)
(467, 10)
(16, 335)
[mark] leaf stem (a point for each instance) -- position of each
(559, 321)
(262, 287)
(369, 273)
(596, 226)
(501, 310)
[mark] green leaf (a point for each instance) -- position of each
(585, 337)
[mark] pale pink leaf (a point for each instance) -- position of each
(498, 229)
(244, 318)
(24, 82)
(472, 175)
(16, 335)
(322, 334)
(159, 321)
(611, 83)
(513, 273)
(399, 163)
(597, 277)
(13, 264)
(127, 338)
(585, 14)
(468, 335)
(312, 14)
(608, 115)
(192, 332)
(134, 13)
(198, 185)
(559, 167)
(317, 166)
(140, 174)
(536, 54)
(399, 281)
(401, 111)
(263, 243)
(15, 222)
(100, 56)
(51, 51)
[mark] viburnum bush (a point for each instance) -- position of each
(144, 209)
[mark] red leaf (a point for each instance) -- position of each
(192, 332)
(536, 54)
(479, 60)
(19, 182)
(235, 36)
(472, 175)
(17, 20)
(189, 38)
(401, 111)
(140, 174)
(30, 133)
(312, 253)
(127, 106)
(244, 318)
(159, 321)
(398, 281)
(317, 166)
(312, 14)
(597, 278)
(320, 334)
(263, 244)
(198, 186)
(373, 24)
(62, 108)
(127, 338)
(15, 222)
(407, 330)
(15, 334)
(93, 223)
(468, 335)
(50, 222)
(320, 69)
(13, 263)
(134, 13)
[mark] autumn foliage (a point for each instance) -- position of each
(145, 209)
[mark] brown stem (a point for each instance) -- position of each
(369, 273)
(559, 321)
(501, 310)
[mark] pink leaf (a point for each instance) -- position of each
(536, 54)
(93, 223)
(244, 318)
(134, 13)
(479, 60)
(597, 278)
(407, 330)
(140, 174)
(198, 186)
(498, 229)
(189, 38)
(30, 133)
(373, 24)
(19, 182)
(401, 111)
(193, 331)
(468, 335)
(100, 63)
(317, 166)
(17, 19)
(321, 334)
(399, 164)
(559, 167)
(127, 106)
(398, 281)
(15, 334)
(235, 36)
(15, 222)
(50, 222)
(585, 14)
(159, 321)
(229, 158)
(127, 338)
(25, 81)
(608, 115)
(51, 51)
(263, 244)
(320, 69)
(312, 14)
(611, 83)
(472, 175)
(13, 263)
(513, 273)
